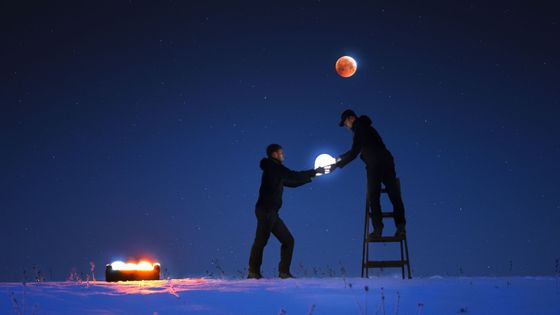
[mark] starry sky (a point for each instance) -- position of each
(135, 129)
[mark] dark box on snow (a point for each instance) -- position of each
(131, 275)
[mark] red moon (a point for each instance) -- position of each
(346, 66)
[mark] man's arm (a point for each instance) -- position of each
(351, 154)
(296, 179)
(294, 184)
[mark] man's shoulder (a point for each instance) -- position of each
(274, 168)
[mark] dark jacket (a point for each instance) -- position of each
(368, 142)
(275, 176)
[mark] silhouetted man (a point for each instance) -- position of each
(274, 177)
(380, 168)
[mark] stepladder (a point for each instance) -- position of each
(370, 240)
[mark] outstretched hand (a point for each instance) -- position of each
(320, 170)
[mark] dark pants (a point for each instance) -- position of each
(383, 171)
(268, 222)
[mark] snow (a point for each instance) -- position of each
(384, 295)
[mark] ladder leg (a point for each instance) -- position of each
(365, 247)
(363, 257)
(367, 257)
(402, 258)
(407, 258)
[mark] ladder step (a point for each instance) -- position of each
(386, 264)
(385, 239)
(384, 214)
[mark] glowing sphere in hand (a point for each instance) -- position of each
(324, 160)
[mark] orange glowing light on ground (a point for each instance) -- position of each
(142, 265)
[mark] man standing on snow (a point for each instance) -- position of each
(274, 177)
(380, 168)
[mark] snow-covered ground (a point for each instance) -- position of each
(386, 295)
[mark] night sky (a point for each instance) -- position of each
(135, 129)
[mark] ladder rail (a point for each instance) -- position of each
(365, 246)
(402, 259)
(407, 258)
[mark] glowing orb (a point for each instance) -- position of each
(324, 160)
(346, 66)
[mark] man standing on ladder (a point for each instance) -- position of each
(380, 168)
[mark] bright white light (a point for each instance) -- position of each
(143, 265)
(324, 160)
(118, 265)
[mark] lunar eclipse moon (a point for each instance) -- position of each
(346, 66)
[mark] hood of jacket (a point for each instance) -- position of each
(362, 121)
(268, 163)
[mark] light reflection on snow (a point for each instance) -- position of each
(172, 286)
(157, 286)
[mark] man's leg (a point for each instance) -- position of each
(280, 230)
(262, 234)
(394, 192)
(374, 195)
